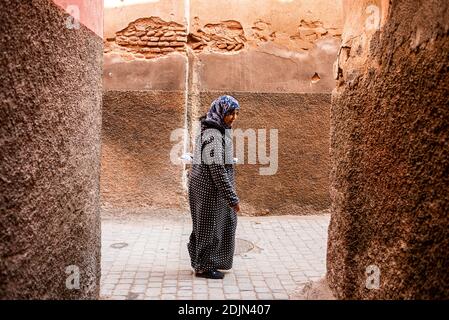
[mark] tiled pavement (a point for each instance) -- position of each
(147, 258)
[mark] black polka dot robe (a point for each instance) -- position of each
(211, 188)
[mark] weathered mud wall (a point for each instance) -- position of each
(50, 119)
(139, 54)
(120, 14)
(300, 180)
(208, 49)
(390, 155)
(292, 40)
(137, 170)
(281, 44)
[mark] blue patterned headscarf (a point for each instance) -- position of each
(221, 107)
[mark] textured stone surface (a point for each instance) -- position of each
(50, 120)
(136, 170)
(300, 185)
(390, 155)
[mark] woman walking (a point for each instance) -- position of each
(212, 197)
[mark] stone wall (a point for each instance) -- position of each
(390, 153)
(50, 120)
(149, 38)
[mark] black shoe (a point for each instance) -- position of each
(210, 274)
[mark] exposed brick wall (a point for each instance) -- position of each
(289, 49)
(221, 37)
(152, 37)
(149, 38)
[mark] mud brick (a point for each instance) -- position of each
(197, 45)
(129, 33)
(177, 44)
(173, 38)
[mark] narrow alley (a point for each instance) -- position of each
(330, 182)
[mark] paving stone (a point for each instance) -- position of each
(231, 289)
(265, 296)
(156, 265)
(261, 289)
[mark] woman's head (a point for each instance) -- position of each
(230, 117)
(223, 111)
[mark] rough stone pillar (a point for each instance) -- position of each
(390, 153)
(50, 120)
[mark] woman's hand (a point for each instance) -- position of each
(236, 208)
